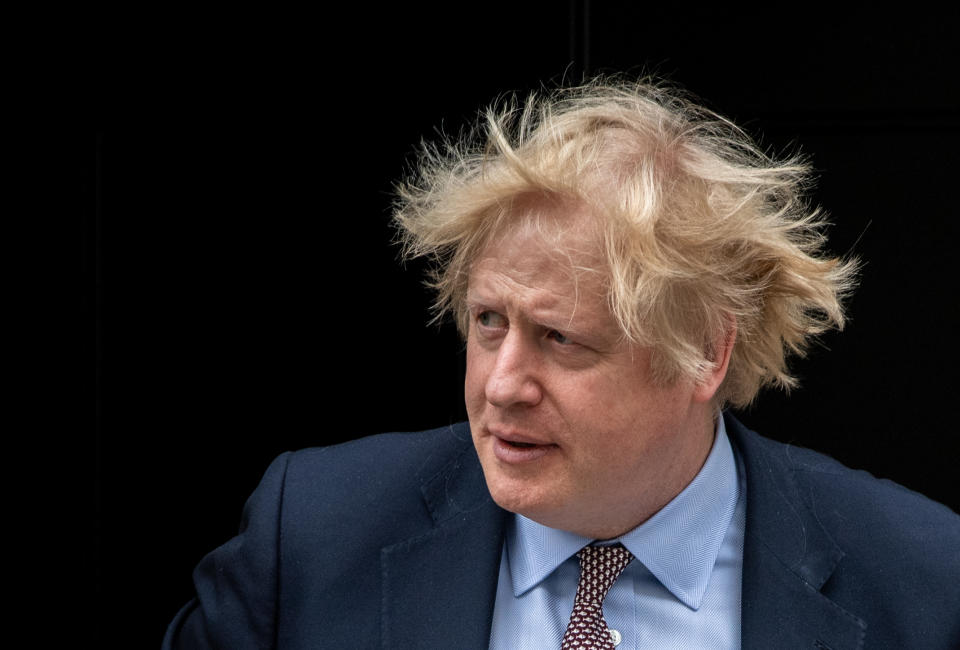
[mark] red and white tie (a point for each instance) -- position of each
(600, 566)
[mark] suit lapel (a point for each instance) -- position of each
(439, 588)
(787, 559)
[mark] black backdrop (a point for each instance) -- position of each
(236, 195)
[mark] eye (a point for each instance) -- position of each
(559, 338)
(491, 319)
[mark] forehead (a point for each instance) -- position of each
(544, 264)
(531, 260)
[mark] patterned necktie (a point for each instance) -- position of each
(599, 567)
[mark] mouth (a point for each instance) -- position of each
(514, 449)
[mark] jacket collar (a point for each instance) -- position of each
(787, 557)
(439, 587)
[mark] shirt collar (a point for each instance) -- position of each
(678, 545)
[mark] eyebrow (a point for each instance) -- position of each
(557, 323)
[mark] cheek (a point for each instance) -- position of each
(604, 398)
(475, 380)
(614, 410)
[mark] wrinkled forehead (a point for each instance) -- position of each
(543, 255)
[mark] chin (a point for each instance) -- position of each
(523, 497)
(511, 501)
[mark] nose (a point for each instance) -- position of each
(514, 379)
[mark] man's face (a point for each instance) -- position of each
(570, 429)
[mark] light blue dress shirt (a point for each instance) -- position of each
(682, 590)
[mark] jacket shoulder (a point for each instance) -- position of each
(378, 479)
(901, 550)
(309, 542)
(381, 459)
(891, 557)
(853, 502)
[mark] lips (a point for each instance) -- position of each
(518, 439)
(513, 448)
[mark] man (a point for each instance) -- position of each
(623, 265)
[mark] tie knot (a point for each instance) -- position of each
(600, 566)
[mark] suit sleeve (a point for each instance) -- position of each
(237, 584)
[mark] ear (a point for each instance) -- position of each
(722, 351)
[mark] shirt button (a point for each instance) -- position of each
(616, 637)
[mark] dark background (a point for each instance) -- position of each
(234, 181)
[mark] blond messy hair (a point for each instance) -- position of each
(697, 226)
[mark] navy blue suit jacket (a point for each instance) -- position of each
(393, 541)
